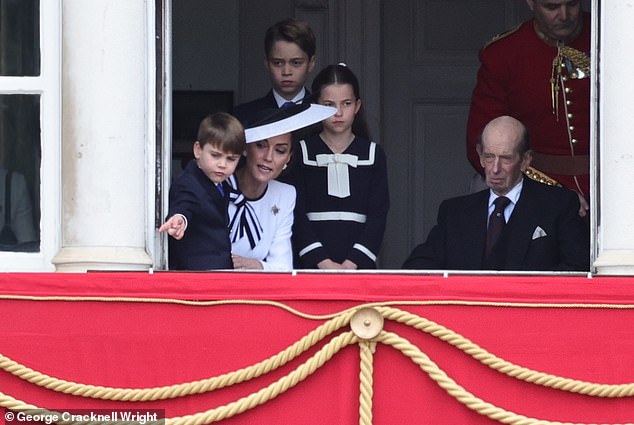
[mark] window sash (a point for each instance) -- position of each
(48, 86)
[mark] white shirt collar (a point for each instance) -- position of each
(513, 194)
(298, 97)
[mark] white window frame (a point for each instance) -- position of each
(159, 79)
(48, 86)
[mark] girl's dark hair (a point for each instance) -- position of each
(341, 74)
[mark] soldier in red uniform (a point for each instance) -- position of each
(538, 72)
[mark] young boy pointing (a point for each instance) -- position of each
(198, 220)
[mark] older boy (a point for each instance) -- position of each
(289, 48)
(198, 220)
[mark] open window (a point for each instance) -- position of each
(416, 84)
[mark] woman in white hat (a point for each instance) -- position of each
(260, 207)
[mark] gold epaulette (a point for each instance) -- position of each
(502, 35)
(577, 57)
(535, 174)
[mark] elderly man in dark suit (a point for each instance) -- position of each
(515, 224)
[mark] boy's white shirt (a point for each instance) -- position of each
(280, 100)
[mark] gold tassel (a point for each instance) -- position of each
(555, 78)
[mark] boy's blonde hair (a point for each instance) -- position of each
(222, 131)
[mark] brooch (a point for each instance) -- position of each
(275, 210)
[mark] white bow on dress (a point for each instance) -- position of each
(338, 177)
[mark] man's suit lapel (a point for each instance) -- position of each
(473, 233)
(270, 100)
(521, 226)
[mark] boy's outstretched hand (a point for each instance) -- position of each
(175, 226)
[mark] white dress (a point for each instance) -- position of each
(262, 228)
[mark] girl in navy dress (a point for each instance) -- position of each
(341, 183)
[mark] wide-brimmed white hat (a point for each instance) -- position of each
(287, 120)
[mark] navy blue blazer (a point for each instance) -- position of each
(247, 112)
(206, 243)
(543, 233)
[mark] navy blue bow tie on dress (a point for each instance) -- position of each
(496, 223)
(220, 189)
(244, 221)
